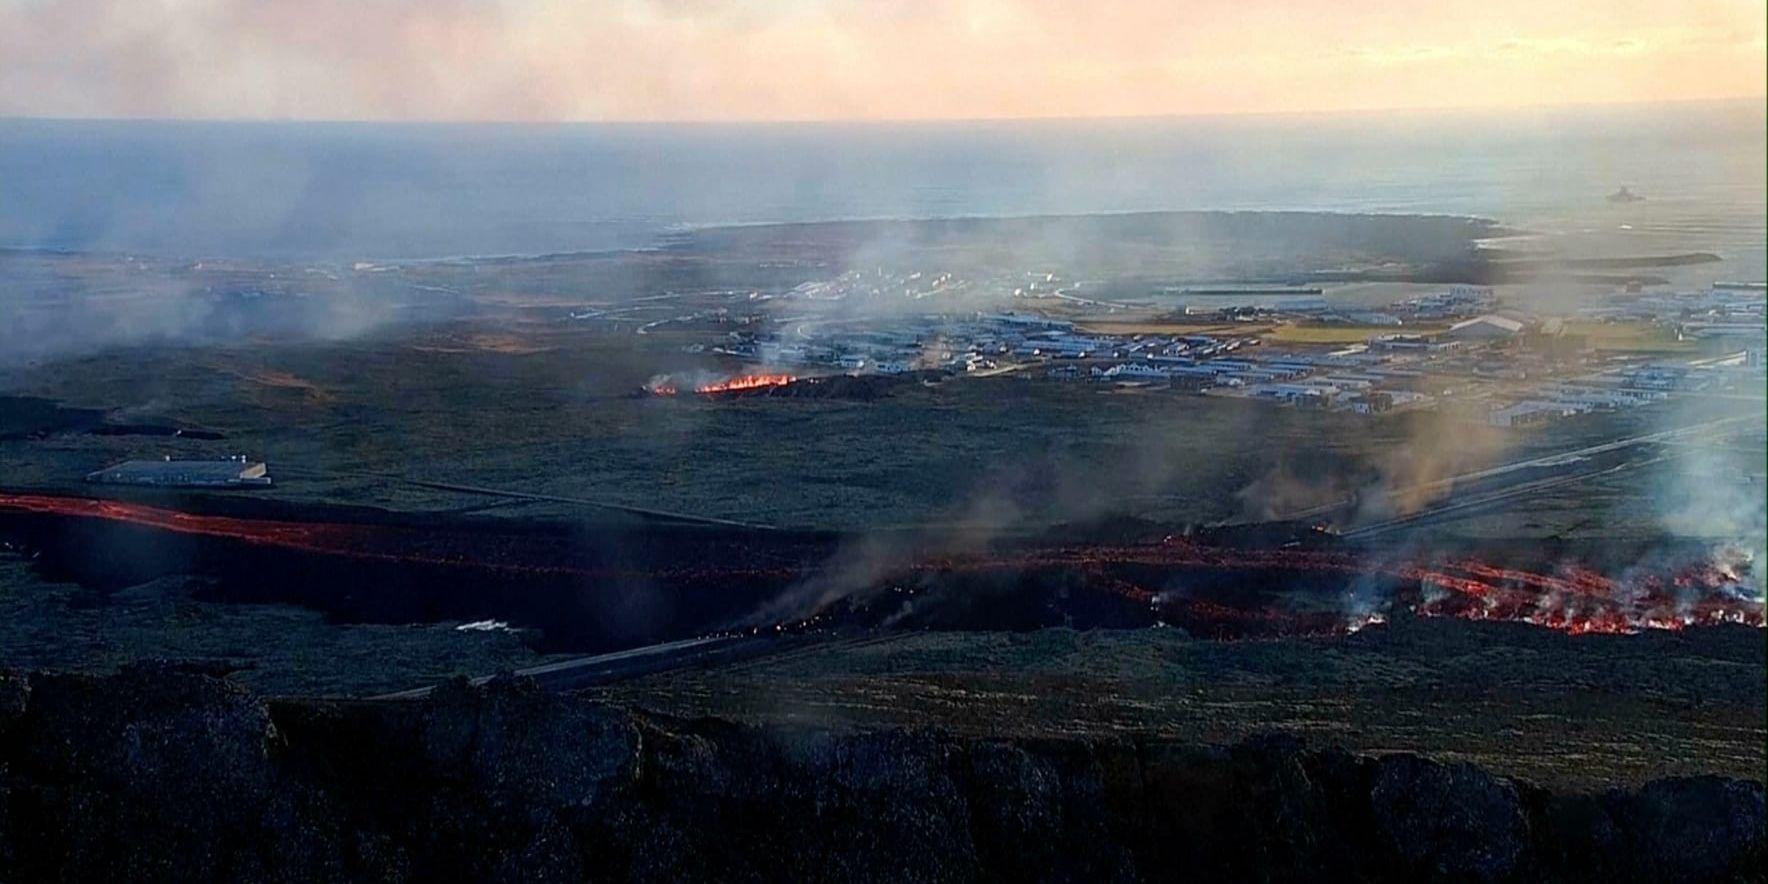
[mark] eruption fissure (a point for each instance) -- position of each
(669, 386)
(1572, 598)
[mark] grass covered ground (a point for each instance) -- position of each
(563, 415)
(277, 649)
(1630, 337)
(1336, 333)
(1581, 712)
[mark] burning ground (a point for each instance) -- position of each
(603, 588)
(1413, 749)
(1232, 592)
(707, 384)
(714, 386)
(1510, 666)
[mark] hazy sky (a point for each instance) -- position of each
(845, 59)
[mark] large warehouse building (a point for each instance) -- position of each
(1490, 327)
(170, 473)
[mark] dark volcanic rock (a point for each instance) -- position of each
(1686, 829)
(1447, 822)
(165, 774)
(1694, 829)
(151, 775)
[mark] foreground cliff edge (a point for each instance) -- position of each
(159, 773)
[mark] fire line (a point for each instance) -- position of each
(1572, 598)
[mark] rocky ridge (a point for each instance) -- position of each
(161, 773)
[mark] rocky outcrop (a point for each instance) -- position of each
(164, 774)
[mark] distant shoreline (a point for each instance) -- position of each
(678, 237)
(1444, 248)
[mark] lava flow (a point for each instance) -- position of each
(745, 382)
(1219, 591)
(467, 549)
(669, 386)
(1237, 591)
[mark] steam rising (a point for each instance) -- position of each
(1379, 472)
(67, 304)
(314, 199)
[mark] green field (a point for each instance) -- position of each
(1295, 333)
(1630, 337)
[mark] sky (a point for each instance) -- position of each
(549, 60)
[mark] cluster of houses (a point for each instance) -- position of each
(1727, 312)
(1357, 382)
(1386, 372)
(1628, 387)
(1556, 401)
(1458, 300)
(1732, 311)
(880, 283)
(982, 341)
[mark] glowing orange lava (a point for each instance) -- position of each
(1573, 598)
(746, 382)
(1667, 594)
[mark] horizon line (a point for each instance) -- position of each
(1761, 98)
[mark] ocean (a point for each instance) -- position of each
(348, 191)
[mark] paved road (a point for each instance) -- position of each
(580, 672)
(1462, 504)
(509, 494)
(1557, 460)
(662, 515)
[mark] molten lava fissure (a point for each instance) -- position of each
(669, 386)
(396, 544)
(1211, 590)
(1673, 595)
(746, 382)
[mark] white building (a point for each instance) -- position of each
(1532, 412)
(1490, 327)
(235, 471)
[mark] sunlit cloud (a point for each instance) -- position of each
(812, 59)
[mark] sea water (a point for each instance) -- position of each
(350, 191)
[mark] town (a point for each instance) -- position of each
(1458, 348)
